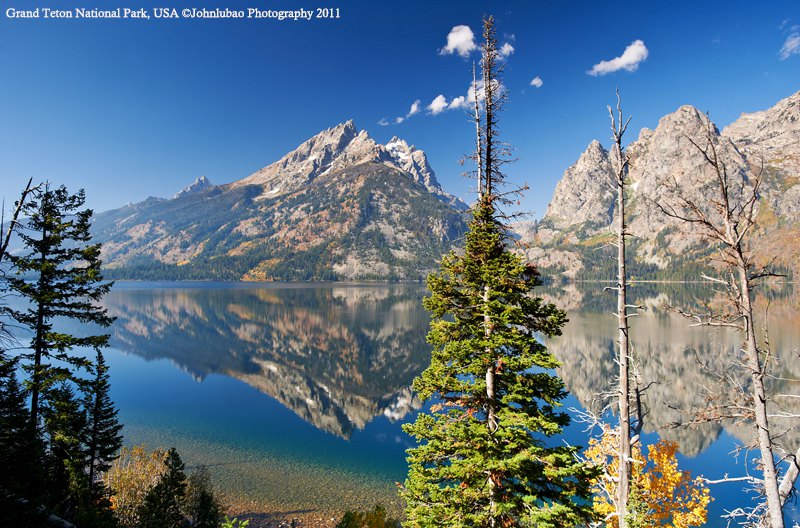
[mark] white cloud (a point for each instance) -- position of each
(506, 49)
(414, 110)
(460, 40)
(438, 105)
(791, 46)
(458, 102)
(635, 53)
(537, 82)
(477, 88)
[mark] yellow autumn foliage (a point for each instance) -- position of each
(661, 494)
(130, 477)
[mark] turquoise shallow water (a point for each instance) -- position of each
(257, 450)
(294, 396)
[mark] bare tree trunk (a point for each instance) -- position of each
(478, 142)
(38, 344)
(625, 455)
(786, 486)
(787, 483)
(5, 236)
(771, 488)
(491, 417)
(623, 488)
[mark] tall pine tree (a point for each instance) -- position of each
(102, 438)
(60, 277)
(64, 423)
(484, 457)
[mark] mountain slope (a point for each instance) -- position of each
(340, 206)
(578, 223)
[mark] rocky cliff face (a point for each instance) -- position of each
(666, 163)
(771, 136)
(339, 206)
(585, 192)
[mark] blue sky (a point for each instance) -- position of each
(132, 108)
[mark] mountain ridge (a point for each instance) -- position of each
(339, 206)
(339, 147)
(578, 223)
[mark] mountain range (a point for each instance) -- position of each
(340, 206)
(570, 239)
(343, 207)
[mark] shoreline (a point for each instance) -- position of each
(282, 518)
(268, 515)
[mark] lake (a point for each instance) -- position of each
(294, 394)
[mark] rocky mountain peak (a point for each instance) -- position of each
(398, 147)
(785, 112)
(414, 162)
(594, 151)
(770, 136)
(312, 158)
(198, 185)
(685, 120)
(322, 211)
(339, 148)
(584, 193)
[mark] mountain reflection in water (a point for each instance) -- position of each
(336, 356)
(681, 365)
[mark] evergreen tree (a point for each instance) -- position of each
(67, 282)
(64, 424)
(201, 505)
(102, 436)
(15, 451)
(161, 506)
(484, 457)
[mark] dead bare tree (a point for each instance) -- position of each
(478, 141)
(7, 231)
(628, 390)
(725, 216)
(618, 129)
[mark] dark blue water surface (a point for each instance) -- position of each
(294, 395)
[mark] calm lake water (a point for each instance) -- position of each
(294, 395)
